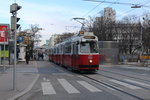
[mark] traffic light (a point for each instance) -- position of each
(14, 24)
(13, 9)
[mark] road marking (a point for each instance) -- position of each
(140, 68)
(89, 86)
(107, 86)
(140, 83)
(125, 84)
(44, 79)
(67, 86)
(144, 74)
(47, 88)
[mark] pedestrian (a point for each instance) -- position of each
(39, 55)
(42, 56)
(27, 57)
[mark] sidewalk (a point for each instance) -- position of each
(26, 76)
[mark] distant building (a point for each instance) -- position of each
(109, 14)
(58, 38)
(52, 40)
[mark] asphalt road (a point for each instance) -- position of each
(109, 83)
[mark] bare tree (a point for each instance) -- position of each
(61, 37)
(146, 33)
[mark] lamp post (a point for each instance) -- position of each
(141, 40)
(141, 31)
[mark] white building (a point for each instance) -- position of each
(52, 40)
(109, 14)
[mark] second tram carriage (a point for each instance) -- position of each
(79, 52)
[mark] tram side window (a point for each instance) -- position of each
(62, 49)
(55, 51)
(68, 49)
(75, 49)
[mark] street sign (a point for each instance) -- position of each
(4, 31)
(19, 39)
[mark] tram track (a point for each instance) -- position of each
(124, 81)
(113, 87)
(106, 84)
(124, 75)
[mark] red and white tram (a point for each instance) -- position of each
(79, 52)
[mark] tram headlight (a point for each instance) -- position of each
(90, 61)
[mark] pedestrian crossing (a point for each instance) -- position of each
(89, 86)
(47, 88)
(76, 86)
(125, 84)
(67, 86)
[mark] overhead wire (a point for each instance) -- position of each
(133, 9)
(107, 6)
(95, 8)
(117, 3)
(92, 9)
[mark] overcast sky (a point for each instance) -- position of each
(54, 16)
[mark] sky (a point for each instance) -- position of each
(55, 16)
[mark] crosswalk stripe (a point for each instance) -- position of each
(136, 82)
(88, 86)
(67, 86)
(47, 88)
(125, 84)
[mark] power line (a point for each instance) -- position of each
(126, 12)
(95, 8)
(133, 9)
(92, 9)
(119, 3)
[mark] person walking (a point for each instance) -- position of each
(27, 57)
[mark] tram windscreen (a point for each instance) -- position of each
(88, 47)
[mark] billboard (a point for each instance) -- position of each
(4, 31)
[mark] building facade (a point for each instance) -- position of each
(109, 14)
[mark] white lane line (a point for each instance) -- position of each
(67, 86)
(136, 82)
(47, 88)
(89, 86)
(44, 79)
(125, 84)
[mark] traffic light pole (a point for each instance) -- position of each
(14, 68)
(14, 26)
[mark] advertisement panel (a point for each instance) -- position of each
(4, 31)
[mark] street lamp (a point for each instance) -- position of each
(136, 6)
(141, 32)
